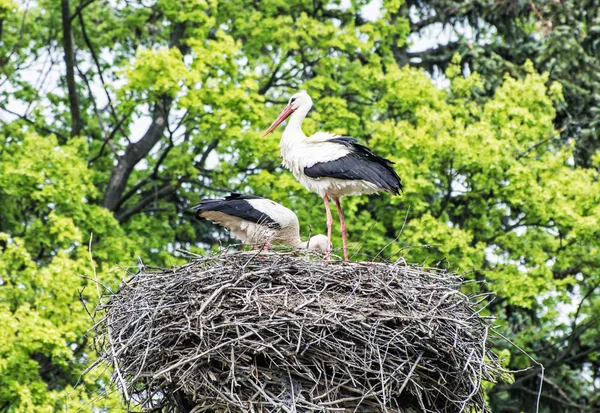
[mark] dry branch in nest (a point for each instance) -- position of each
(273, 333)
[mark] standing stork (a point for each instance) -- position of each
(257, 221)
(330, 165)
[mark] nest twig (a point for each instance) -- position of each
(272, 333)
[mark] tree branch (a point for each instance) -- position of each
(107, 141)
(80, 8)
(399, 52)
(438, 56)
(344, 17)
(17, 44)
(582, 301)
(134, 153)
(421, 24)
(100, 74)
(40, 127)
(92, 99)
(264, 88)
(153, 197)
(149, 178)
(68, 44)
(137, 151)
(446, 199)
(536, 145)
(556, 399)
(211, 146)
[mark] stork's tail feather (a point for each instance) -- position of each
(360, 163)
(235, 205)
(395, 182)
(206, 205)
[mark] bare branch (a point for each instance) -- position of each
(344, 17)
(538, 144)
(580, 408)
(22, 32)
(448, 195)
(265, 87)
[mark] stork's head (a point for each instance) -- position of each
(318, 242)
(300, 101)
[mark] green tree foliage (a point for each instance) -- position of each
(48, 212)
(561, 37)
(164, 103)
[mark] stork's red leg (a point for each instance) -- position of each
(342, 227)
(329, 223)
(267, 245)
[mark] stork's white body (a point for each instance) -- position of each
(253, 233)
(258, 221)
(299, 151)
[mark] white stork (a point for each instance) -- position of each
(257, 221)
(330, 165)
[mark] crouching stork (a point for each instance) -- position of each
(330, 165)
(258, 221)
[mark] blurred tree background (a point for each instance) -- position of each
(117, 116)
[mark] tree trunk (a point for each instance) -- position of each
(134, 153)
(137, 151)
(68, 44)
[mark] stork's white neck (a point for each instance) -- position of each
(298, 243)
(294, 126)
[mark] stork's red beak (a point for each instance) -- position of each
(282, 116)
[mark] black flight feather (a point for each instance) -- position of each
(235, 195)
(236, 205)
(359, 164)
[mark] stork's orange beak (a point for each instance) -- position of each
(282, 116)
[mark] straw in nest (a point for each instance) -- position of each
(272, 333)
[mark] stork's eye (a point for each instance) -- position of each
(292, 100)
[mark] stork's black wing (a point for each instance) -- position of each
(236, 205)
(359, 164)
(234, 196)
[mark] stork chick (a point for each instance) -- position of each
(258, 221)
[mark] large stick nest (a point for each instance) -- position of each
(272, 333)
